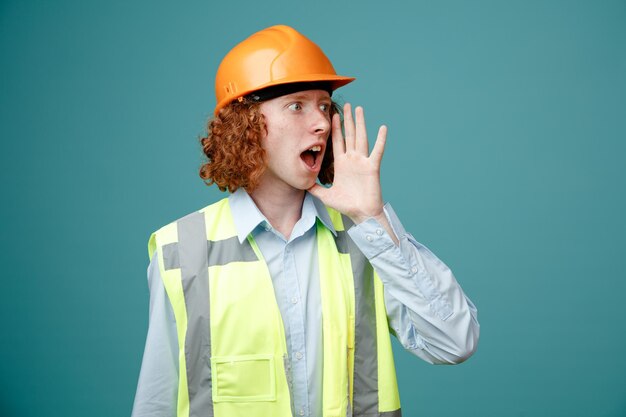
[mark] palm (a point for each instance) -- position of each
(356, 189)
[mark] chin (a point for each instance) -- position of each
(305, 185)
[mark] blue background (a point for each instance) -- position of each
(506, 156)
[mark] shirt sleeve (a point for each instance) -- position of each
(426, 307)
(157, 388)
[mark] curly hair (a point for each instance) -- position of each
(235, 157)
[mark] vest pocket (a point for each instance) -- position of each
(243, 378)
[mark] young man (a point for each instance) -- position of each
(279, 300)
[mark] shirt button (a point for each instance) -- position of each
(379, 232)
(414, 270)
(301, 412)
(294, 300)
(298, 355)
(368, 238)
(268, 227)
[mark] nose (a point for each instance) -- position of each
(320, 122)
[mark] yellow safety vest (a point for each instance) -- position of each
(232, 349)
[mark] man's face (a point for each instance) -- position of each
(298, 126)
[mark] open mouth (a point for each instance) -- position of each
(311, 156)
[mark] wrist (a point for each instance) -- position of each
(361, 217)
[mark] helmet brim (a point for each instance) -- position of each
(334, 81)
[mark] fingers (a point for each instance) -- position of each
(356, 134)
(348, 127)
(379, 146)
(339, 146)
(361, 145)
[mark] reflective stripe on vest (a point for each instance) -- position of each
(232, 348)
(374, 389)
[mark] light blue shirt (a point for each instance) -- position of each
(427, 309)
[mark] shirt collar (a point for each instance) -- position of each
(247, 216)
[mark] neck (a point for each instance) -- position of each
(281, 207)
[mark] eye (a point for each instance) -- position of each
(325, 107)
(295, 106)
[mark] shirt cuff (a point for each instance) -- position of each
(372, 238)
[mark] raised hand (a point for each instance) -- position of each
(356, 190)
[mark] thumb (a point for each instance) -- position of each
(318, 191)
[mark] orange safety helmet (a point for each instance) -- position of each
(274, 56)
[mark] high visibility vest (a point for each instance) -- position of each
(232, 350)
